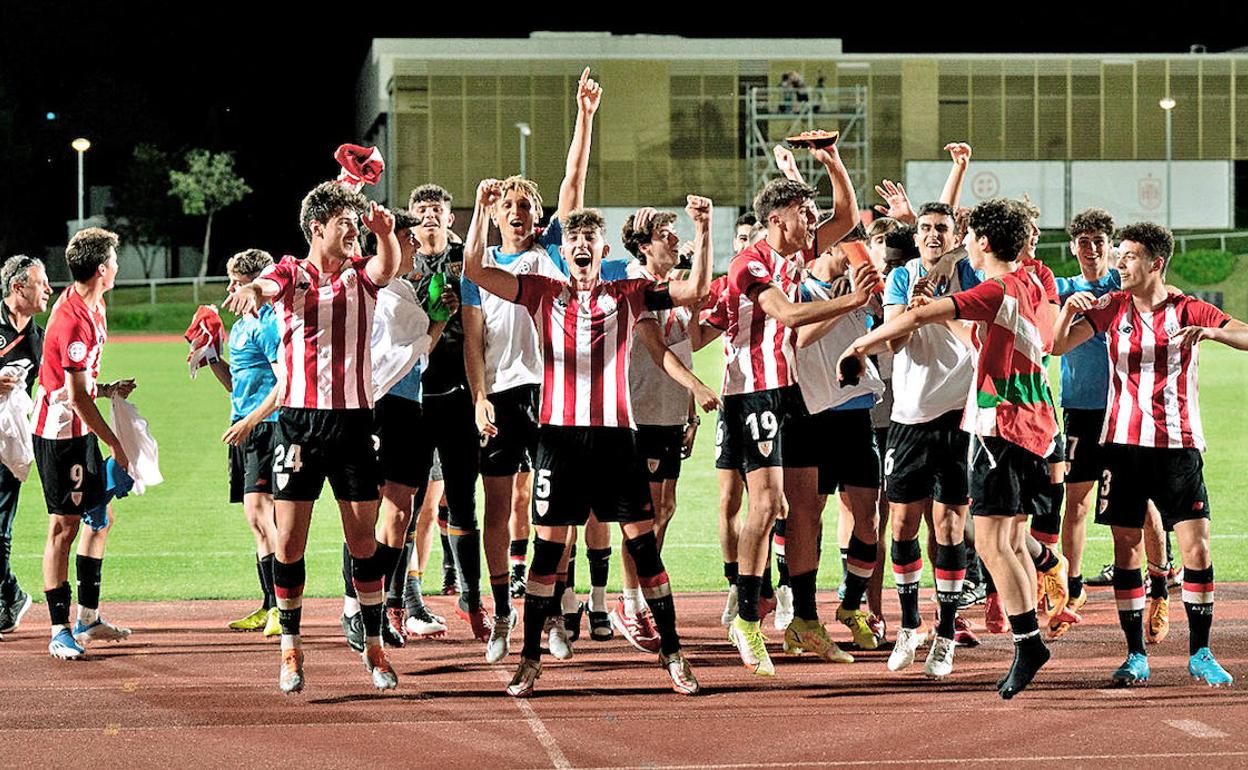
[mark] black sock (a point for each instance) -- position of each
(778, 530)
(448, 554)
(907, 572)
(599, 566)
(539, 594)
(59, 599)
(500, 592)
(1074, 586)
(950, 574)
(369, 577)
(1047, 560)
(844, 565)
(656, 588)
(730, 572)
(1129, 591)
(466, 546)
(571, 582)
(748, 587)
(89, 570)
(1198, 601)
(990, 586)
(348, 587)
(396, 578)
(804, 595)
(974, 567)
(288, 580)
(859, 565)
(765, 588)
(412, 598)
(1030, 653)
(265, 565)
(1157, 576)
(1024, 626)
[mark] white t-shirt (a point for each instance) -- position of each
(932, 372)
(657, 398)
(816, 364)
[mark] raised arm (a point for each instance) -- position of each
(811, 333)
(248, 297)
(694, 289)
(844, 201)
(902, 325)
(474, 365)
(500, 283)
(787, 163)
(961, 153)
(572, 190)
(798, 314)
(382, 268)
(647, 330)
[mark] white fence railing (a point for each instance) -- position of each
(200, 287)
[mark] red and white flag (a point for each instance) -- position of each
(206, 335)
(360, 165)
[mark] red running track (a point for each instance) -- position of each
(184, 691)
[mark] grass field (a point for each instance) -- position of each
(182, 540)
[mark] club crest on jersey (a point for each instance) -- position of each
(75, 498)
(653, 464)
(282, 479)
(77, 352)
(524, 268)
(1171, 327)
(606, 303)
(764, 448)
(348, 280)
(1102, 302)
(541, 506)
(757, 270)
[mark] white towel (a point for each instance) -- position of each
(132, 431)
(400, 335)
(17, 450)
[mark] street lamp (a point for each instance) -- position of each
(525, 133)
(80, 146)
(1167, 105)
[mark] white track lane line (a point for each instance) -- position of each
(1196, 728)
(535, 723)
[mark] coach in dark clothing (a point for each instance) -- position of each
(26, 292)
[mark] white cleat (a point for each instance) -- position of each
(939, 658)
(99, 631)
(424, 625)
(557, 639)
(499, 644)
(730, 607)
(384, 677)
(909, 640)
(784, 607)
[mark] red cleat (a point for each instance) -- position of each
(994, 614)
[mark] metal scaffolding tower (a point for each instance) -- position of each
(775, 113)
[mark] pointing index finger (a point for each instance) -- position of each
(584, 75)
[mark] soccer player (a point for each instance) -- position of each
(1152, 436)
(66, 426)
(325, 306)
(925, 463)
(250, 380)
(586, 327)
(502, 352)
(1009, 411)
(24, 282)
(763, 404)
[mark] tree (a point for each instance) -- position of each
(208, 185)
(142, 212)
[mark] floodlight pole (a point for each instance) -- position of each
(525, 131)
(1167, 105)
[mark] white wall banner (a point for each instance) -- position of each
(1043, 181)
(1133, 191)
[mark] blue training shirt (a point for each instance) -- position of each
(409, 386)
(549, 241)
(254, 341)
(897, 285)
(1085, 369)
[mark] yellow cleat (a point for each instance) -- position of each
(253, 622)
(1158, 626)
(751, 645)
(1054, 584)
(273, 626)
(803, 636)
(856, 622)
(1060, 624)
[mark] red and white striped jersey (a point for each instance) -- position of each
(759, 349)
(1153, 381)
(74, 343)
(587, 341)
(326, 322)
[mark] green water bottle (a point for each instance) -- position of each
(436, 309)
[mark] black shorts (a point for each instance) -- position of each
(756, 431)
(881, 440)
(403, 451)
(843, 445)
(515, 416)
(251, 463)
(312, 445)
(928, 460)
(1007, 480)
(1172, 478)
(661, 446)
(582, 469)
(1083, 444)
(72, 472)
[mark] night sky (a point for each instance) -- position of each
(277, 86)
